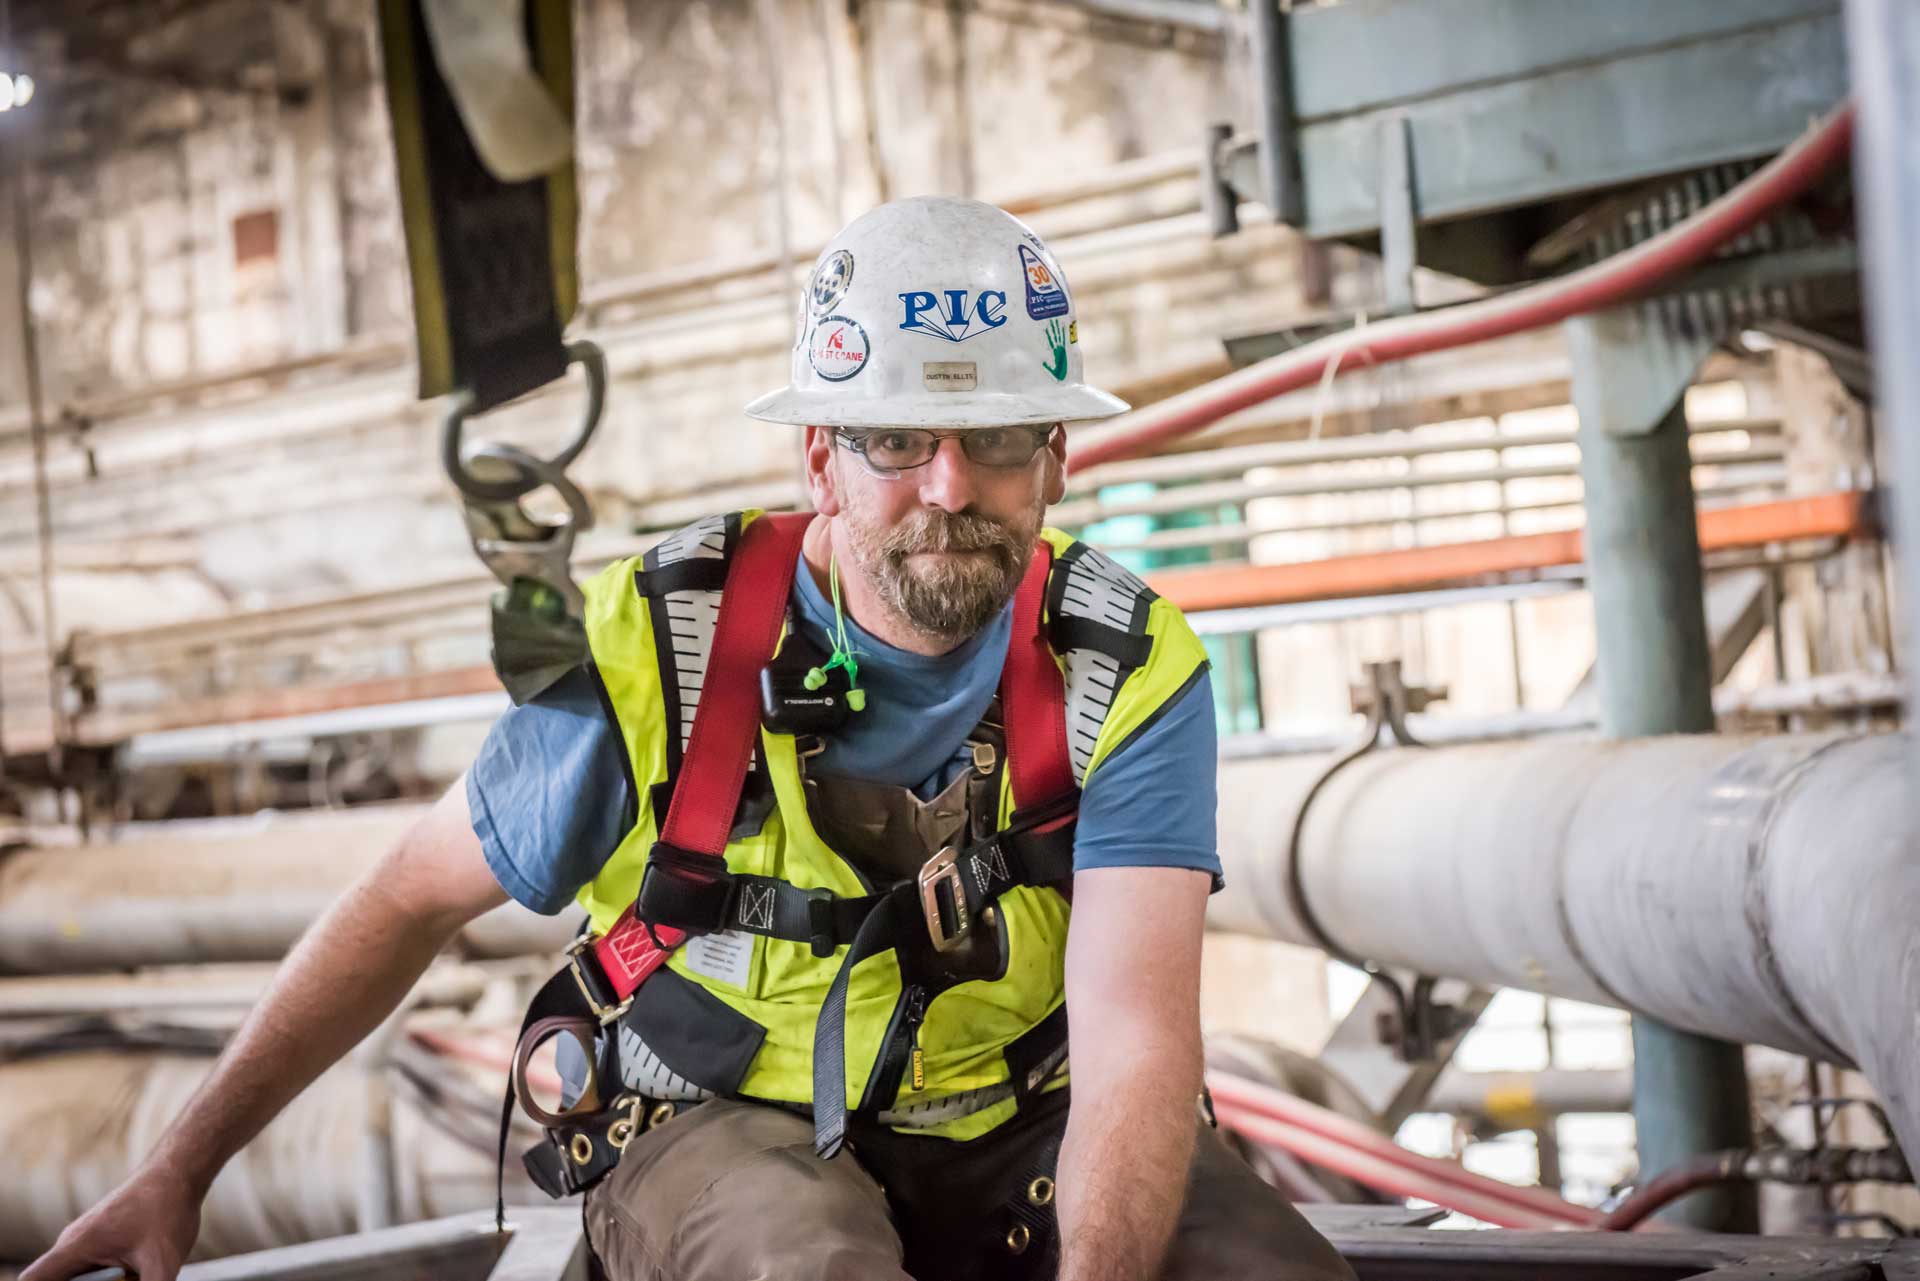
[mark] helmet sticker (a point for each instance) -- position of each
(1057, 347)
(954, 314)
(950, 375)
(1046, 293)
(837, 350)
(830, 281)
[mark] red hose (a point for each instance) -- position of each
(1669, 1186)
(1386, 1176)
(1328, 1139)
(1621, 277)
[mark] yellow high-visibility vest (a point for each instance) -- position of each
(734, 1014)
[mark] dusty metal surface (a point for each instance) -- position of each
(1500, 122)
(1401, 1254)
(1383, 1243)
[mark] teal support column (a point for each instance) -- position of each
(1655, 677)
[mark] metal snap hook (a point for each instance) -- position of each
(453, 457)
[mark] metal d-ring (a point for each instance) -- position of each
(452, 456)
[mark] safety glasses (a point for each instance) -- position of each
(888, 451)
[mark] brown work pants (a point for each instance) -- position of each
(733, 1192)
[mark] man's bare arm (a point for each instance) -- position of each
(346, 975)
(1133, 1000)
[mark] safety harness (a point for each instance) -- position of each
(687, 889)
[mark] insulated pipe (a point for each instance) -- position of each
(222, 895)
(74, 1125)
(1755, 889)
(1623, 276)
(1527, 1100)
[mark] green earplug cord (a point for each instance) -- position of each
(842, 651)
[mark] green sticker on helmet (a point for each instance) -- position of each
(1057, 343)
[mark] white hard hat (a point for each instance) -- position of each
(936, 312)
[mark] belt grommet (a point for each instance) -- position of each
(1040, 1191)
(660, 1115)
(580, 1149)
(1018, 1238)
(619, 1134)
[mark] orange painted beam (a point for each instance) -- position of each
(1837, 515)
(109, 725)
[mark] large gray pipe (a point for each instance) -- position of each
(233, 892)
(1762, 890)
(344, 1156)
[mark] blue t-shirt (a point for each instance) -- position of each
(551, 801)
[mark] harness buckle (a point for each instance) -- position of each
(684, 889)
(942, 872)
(591, 986)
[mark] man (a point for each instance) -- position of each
(854, 1063)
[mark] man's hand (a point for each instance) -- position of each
(344, 977)
(1133, 992)
(146, 1226)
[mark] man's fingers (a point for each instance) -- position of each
(60, 1264)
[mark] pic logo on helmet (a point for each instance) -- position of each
(959, 317)
(925, 275)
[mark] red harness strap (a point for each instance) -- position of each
(713, 768)
(1033, 696)
(725, 727)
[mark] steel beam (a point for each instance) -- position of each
(1413, 1255)
(1655, 672)
(1884, 39)
(1268, 22)
(1507, 118)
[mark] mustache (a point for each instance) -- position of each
(940, 531)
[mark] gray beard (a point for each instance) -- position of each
(953, 599)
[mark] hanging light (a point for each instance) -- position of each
(15, 90)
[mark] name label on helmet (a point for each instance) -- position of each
(953, 314)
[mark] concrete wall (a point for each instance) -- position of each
(182, 230)
(709, 134)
